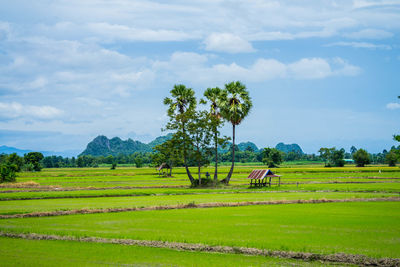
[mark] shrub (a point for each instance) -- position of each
(206, 182)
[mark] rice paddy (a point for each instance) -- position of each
(347, 211)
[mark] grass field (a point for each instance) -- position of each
(355, 228)
(37, 253)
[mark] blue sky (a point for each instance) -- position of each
(320, 73)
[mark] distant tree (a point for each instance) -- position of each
(332, 157)
(361, 157)
(272, 157)
(139, 161)
(338, 157)
(235, 107)
(8, 172)
(181, 109)
(14, 159)
(353, 150)
(250, 149)
(113, 165)
(34, 158)
(326, 155)
(391, 158)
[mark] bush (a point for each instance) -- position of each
(206, 182)
(361, 157)
(29, 167)
(8, 172)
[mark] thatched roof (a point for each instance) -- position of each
(261, 174)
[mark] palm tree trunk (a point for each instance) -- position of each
(185, 156)
(216, 158)
(198, 169)
(233, 156)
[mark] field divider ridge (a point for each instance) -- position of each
(193, 205)
(306, 256)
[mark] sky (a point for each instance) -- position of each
(320, 73)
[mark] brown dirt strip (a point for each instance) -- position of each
(336, 258)
(193, 205)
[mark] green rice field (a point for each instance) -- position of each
(359, 216)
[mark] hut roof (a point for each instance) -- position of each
(261, 174)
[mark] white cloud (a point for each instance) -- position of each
(310, 68)
(369, 34)
(261, 70)
(361, 45)
(343, 68)
(227, 42)
(393, 106)
(16, 110)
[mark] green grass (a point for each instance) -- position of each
(145, 177)
(42, 205)
(373, 187)
(372, 229)
(19, 252)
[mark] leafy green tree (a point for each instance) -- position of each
(34, 158)
(332, 157)
(326, 155)
(215, 97)
(392, 158)
(272, 157)
(234, 108)
(361, 157)
(200, 132)
(181, 109)
(338, 157)
(14, 159)
(139, 161)
(170, 152)
(353, 150)
(113, 165)
(8, 172)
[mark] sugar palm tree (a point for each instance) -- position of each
(215, 97)
(182, 105)
(235, 107)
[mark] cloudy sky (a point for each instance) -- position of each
(320, 73)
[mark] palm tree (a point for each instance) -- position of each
(181, 109)
(236, 106)
(215, 96)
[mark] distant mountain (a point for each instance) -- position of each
(245, 145)
(10, 150)
(21, 152)
(102, 146)
(159, 140)
(289, 148)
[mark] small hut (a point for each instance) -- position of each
(161, 169)
(263, 178)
